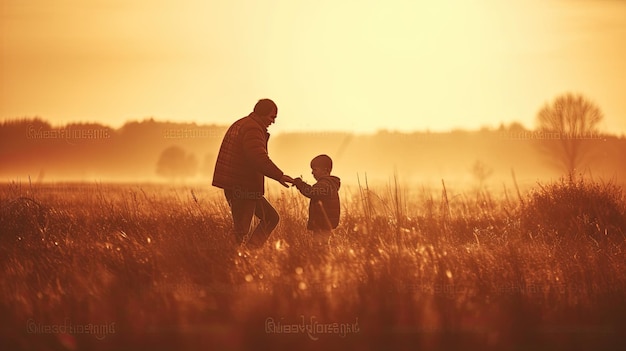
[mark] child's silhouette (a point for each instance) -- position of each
(324, 207)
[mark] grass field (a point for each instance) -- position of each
(144, 267)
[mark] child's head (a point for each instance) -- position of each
(321, 165)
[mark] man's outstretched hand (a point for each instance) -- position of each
(284, 180)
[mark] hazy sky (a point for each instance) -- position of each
(329, 64)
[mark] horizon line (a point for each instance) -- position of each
(507, 127)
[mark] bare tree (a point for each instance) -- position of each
(567, 128)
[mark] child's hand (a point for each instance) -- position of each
(297, 181)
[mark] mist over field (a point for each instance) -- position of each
(33, 150)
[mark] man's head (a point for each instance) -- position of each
(266, 110)
(321, 166)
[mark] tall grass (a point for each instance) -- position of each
(405, 270)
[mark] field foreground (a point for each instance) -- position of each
(100, 267)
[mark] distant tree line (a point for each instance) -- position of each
(566, 139)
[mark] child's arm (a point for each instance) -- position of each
(304, 188)
(318, 190)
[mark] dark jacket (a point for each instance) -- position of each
(243, 161)
(324, 208)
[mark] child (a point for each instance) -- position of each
(324, 207)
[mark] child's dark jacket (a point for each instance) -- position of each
(324, 208)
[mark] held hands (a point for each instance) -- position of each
(287, 179)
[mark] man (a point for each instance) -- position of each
(241, 167)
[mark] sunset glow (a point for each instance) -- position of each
(330, 65)
(312, 175)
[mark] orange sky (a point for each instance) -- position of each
(356, 65)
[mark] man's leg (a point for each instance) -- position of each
(242, 211)
(268, 221)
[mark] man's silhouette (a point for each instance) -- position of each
(241, 167)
